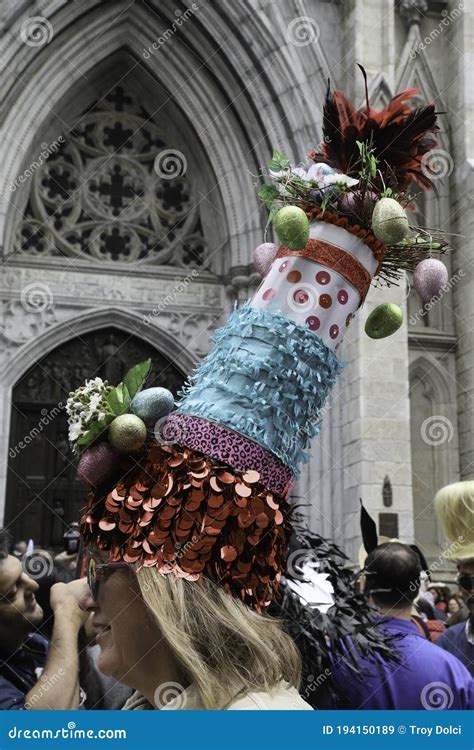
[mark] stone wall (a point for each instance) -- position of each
(230, 82)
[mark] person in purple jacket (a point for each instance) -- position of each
(425, 676)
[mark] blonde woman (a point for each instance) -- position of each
(187, 644)
(455, 509)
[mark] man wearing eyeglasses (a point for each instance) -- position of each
(34, 674)
(455, 509)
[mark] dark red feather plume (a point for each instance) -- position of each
(399, 135)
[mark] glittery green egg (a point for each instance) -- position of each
(389, 221)
(127, 433)
(383, 321)
(292, 227)
(152, 403)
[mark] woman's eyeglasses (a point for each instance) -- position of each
(98, 572)
(465, 582)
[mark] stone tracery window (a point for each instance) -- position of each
(101, 197)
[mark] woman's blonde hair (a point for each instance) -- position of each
(455, 508)
(223, 646)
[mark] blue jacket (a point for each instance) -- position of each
(20, 671)
(455, 641)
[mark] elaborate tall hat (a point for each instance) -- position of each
(204, 489)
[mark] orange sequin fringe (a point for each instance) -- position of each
(179, 511)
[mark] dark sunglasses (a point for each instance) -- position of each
(465, 582)
(97, 573)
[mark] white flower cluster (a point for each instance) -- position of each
(322, 174)
(86, 405)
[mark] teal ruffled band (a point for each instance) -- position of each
(267, 378)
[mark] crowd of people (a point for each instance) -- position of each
(116, 638)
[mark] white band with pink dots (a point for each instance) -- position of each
(312, 294)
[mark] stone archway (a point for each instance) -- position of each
(43, 496)
(433, 444)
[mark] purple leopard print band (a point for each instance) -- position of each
(221, 443)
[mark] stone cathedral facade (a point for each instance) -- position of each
(134, 137)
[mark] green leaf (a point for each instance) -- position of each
(123, 396)
(373, 166)
(324, 202)
(273, 212)
(136, 376)
(268, 193)
(278, 161)
(360, 146)
(96, 429)
(115, 403)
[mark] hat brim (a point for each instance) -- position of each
(459, 553)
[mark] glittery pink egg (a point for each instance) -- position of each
(263, 257)
(97, 463)
(429, 277)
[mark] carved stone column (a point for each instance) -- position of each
(241, 284)
(461, 102)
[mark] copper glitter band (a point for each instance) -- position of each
(333, 257)
(378, 248)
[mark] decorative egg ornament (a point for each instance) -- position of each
(429, 277)
(263, 257)
(127, 433)
(292, 227)
(389, 221)
(97, 463)
(384, 321)
(152, 403)
(352, 204)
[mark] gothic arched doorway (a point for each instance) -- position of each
(43, 495)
